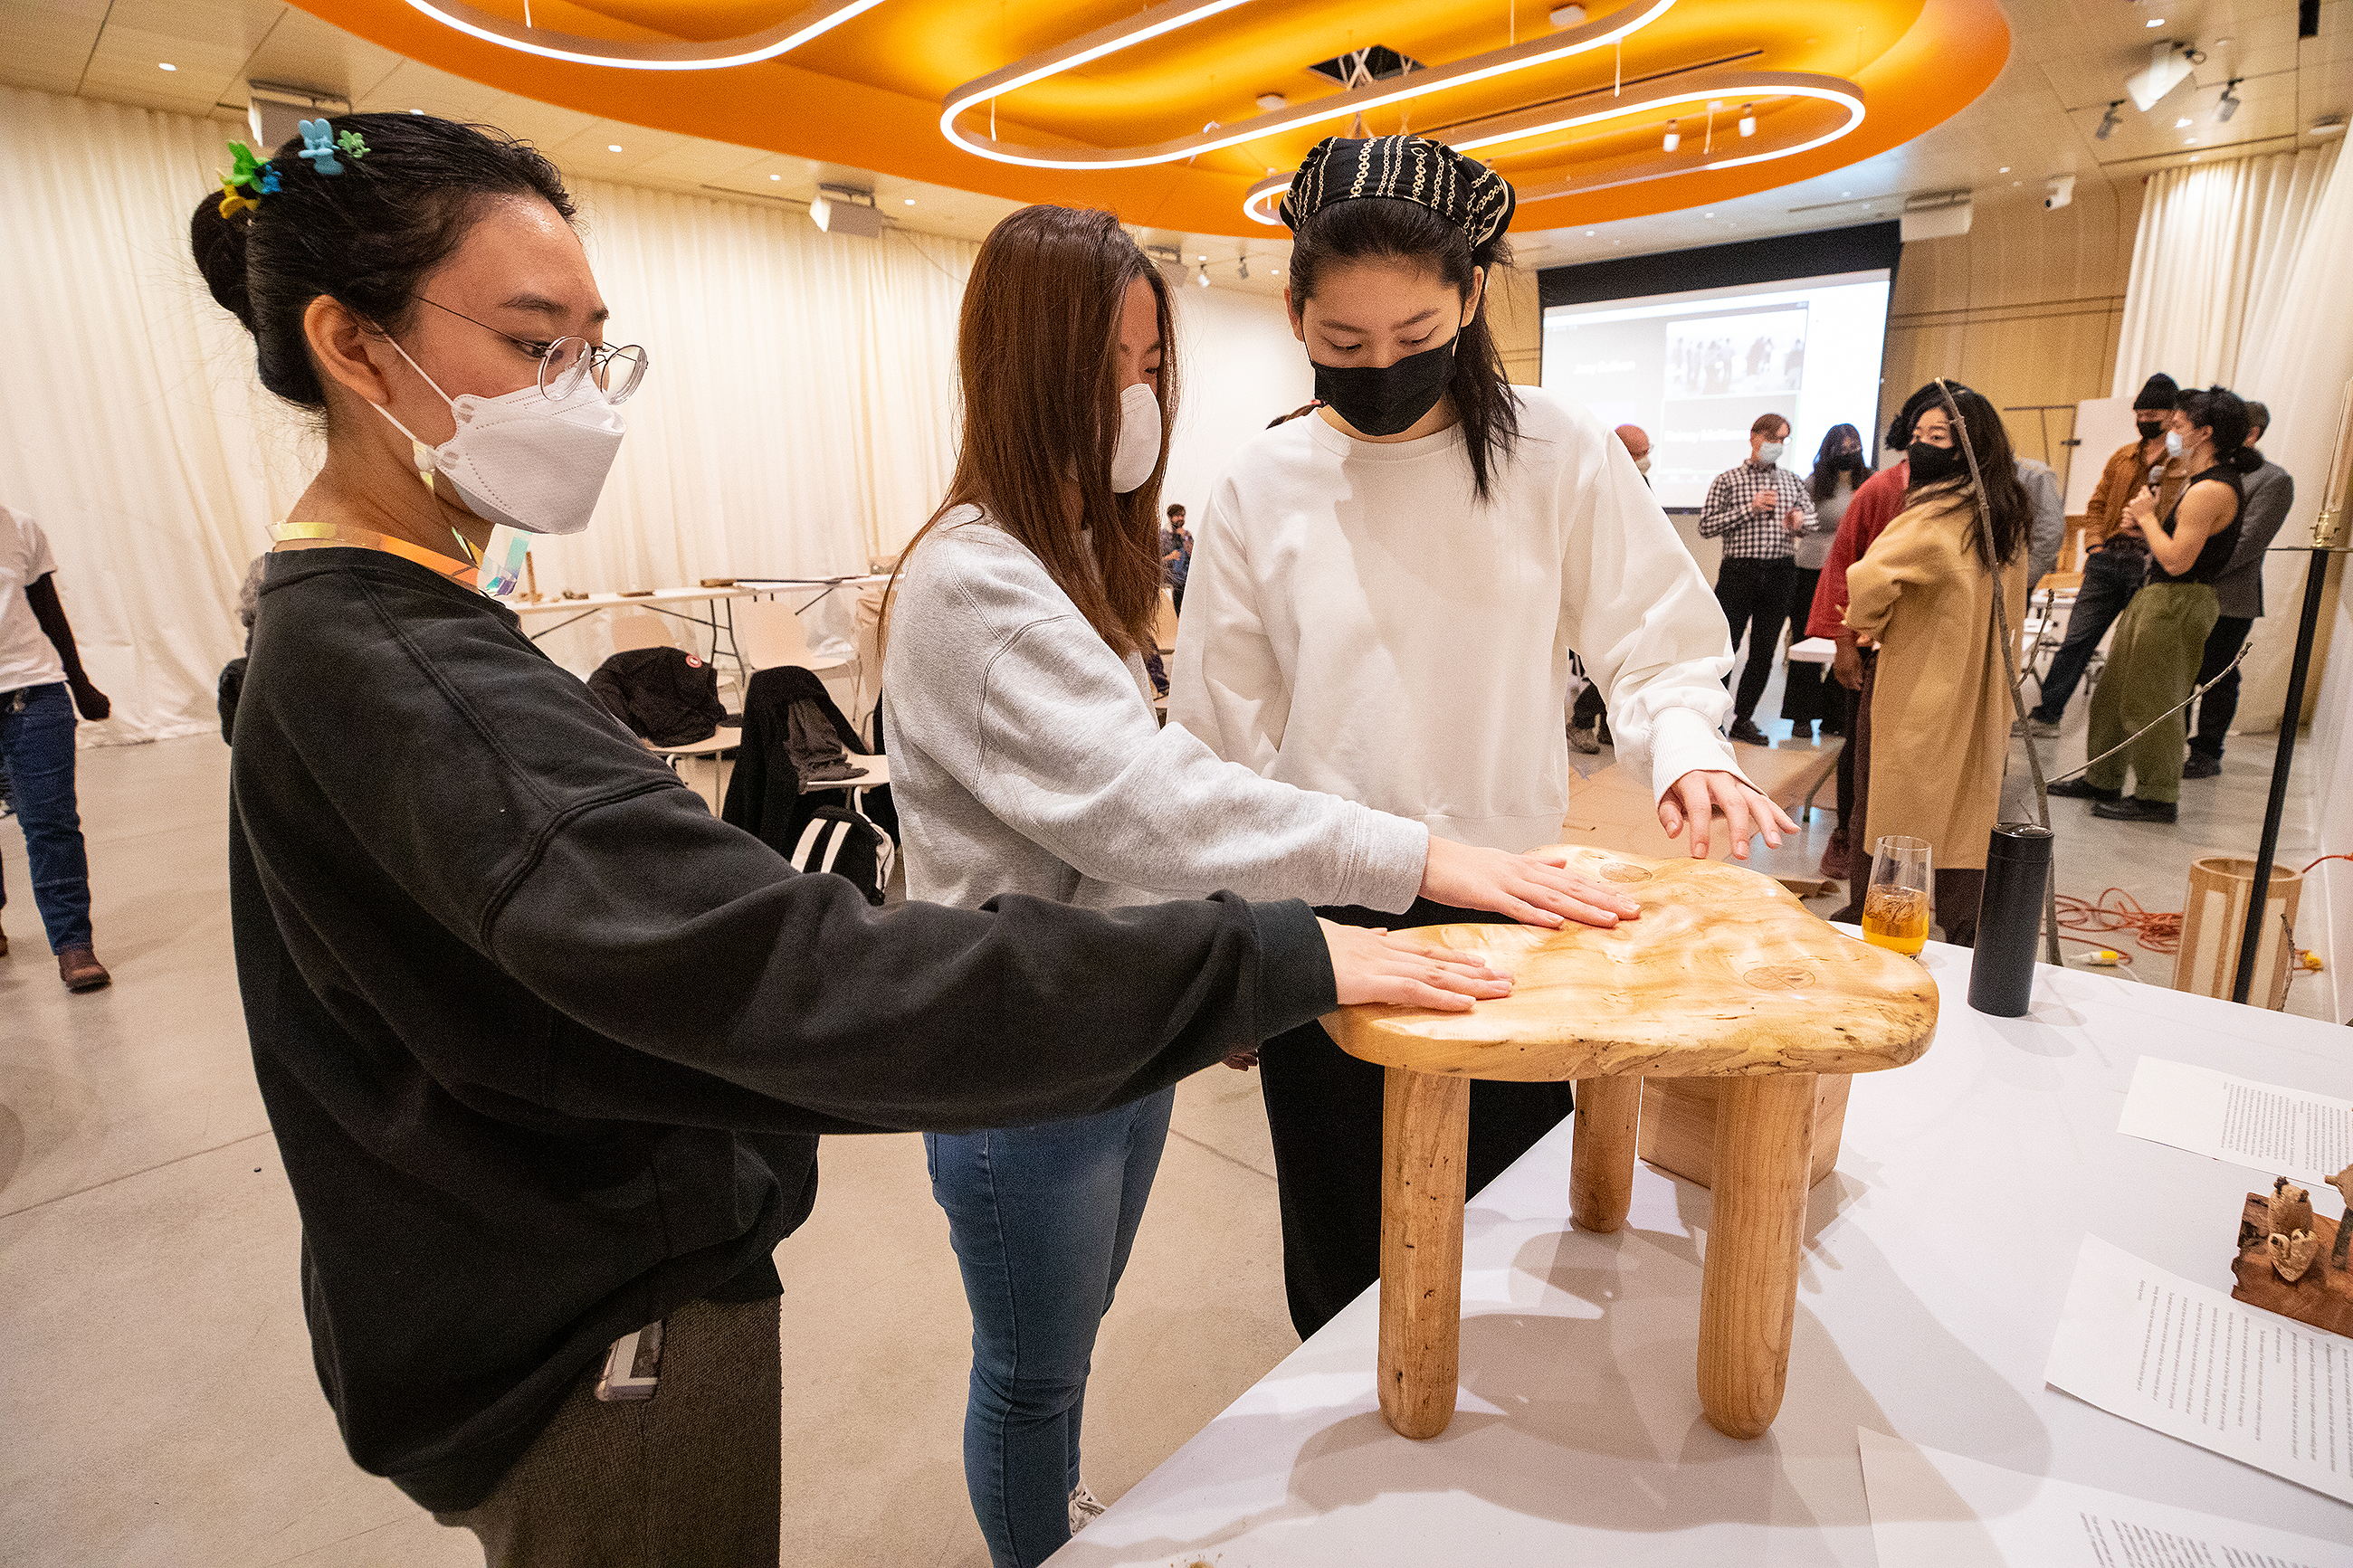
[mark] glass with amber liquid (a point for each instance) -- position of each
(1895, 904)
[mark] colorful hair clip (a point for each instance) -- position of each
(248, 170)
(269, 183)
(354, 145)
(319, 145)
(234, 201)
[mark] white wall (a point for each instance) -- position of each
(2332, 804)
(1241, 367)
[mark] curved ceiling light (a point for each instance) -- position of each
(1164, 19)
(1259, 202)
(662, 54)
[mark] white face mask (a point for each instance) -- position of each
(1137, 451)
(2173, 443)
(1642, 464)
(1770, 451)
(524, 460)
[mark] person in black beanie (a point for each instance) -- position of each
(2117, 562)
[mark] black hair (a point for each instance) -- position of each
(365, 237)
(1389, 228)
(2008, 507)
(2219, 410)
(1829, 462)
(1930, 395)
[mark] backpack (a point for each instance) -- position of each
(844, 843)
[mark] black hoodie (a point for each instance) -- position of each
(546, 1047)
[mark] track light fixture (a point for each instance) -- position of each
(2230, 100)
(1245, 268)
(2110, 121)
(1674, 138)
(1748, 119)
(1203, 276)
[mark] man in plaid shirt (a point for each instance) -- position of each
(1757, 509)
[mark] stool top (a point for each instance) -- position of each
(1725, 975)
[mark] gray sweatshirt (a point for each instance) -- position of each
(1025, 758)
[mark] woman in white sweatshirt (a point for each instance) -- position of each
(1381, 607)
(1026, 759)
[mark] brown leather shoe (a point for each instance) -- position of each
(78, 967)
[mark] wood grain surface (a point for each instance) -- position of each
(1747, 1295)
(1425, 1147)
(1724, 974)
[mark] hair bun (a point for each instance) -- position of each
(2245, 459)
(219, 245)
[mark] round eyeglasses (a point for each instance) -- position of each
(565, 362)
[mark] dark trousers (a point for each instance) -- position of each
(1806, 688)
(1855, 757)
(1590, 709)
(692, 1475)
(1846, 705)
(36, 744)
(2111, 577)
(1324, 1107)
(1756, 599)
(2219, 706)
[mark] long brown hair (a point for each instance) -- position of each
(1037, 369)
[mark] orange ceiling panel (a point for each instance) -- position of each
(869, 93)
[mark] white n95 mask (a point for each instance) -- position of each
(524, 460)
(1136, 452)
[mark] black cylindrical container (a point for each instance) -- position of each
(2010, 920)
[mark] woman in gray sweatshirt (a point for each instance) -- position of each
(1025, 758)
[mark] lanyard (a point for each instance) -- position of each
(466, 574)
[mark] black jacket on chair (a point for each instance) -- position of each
(663, 694)
(787, 716)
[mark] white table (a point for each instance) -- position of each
(1936, 1258)
(1813, 650)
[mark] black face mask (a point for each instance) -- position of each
(1934, 465)
(2149, 429)
(1384, 400)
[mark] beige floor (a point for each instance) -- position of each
(156, 1399)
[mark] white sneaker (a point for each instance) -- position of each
(1084, 1509)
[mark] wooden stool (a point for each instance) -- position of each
(1725, 975)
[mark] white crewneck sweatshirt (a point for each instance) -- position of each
(1357, 622)
(1025, 758)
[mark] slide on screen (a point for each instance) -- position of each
(1695, 369)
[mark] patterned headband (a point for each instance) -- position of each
(1463, 191)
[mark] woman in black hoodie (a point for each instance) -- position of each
(546, 1047)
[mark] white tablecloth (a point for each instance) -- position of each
(1937, 1257)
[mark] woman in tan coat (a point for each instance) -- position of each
(1924, 594)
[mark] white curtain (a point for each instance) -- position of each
(2214, 247)
(799, 418)
(2240, 275)
(2298, 360)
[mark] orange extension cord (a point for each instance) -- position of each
(2155, 931)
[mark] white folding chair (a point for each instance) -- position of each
(771, 637)
(638, 629)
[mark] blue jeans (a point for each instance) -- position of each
(1042, 1218)
(37, 742)
(2111, 578)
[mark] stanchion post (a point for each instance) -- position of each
(2324, 544)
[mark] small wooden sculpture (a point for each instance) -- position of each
(2288, 1271)
(2292, 1254)
(2290, 1208)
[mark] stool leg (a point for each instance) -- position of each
(1749, 1293)
(1602, 1160)
(1425, 1141)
